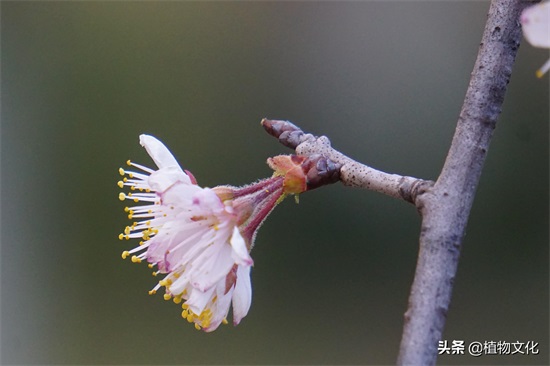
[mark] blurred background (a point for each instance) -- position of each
(384, 80)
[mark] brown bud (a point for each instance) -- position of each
(320, 171)
(287, 133)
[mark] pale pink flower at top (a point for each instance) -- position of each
(201, 237)
(535, 22)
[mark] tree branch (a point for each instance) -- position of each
(445, 205)
(352, 173)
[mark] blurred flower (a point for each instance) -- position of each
(535, 22)
(201, 237)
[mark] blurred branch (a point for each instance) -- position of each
(352, 173)
(445, 205)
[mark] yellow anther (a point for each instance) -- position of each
(184, 314)
(121, 196)
(130, 216)
(128, 162)
(147, 190)
(154, 273)
(152, 292)
(150, 265)
(167, 297)
(132, 188)
(216, 227)
(127, 230)
(120, 184)
(130, 175)
(177, 299)
(184, 306)
(197, 327)
(190, 317)
(120, 236)
(125, 253)
(224, 321)
(126, 209)
(136, 200)
(121, 171)
(135, 259)
(125, 179)
(165, 282)
(214, 299)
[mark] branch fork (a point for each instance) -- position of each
(352, 173)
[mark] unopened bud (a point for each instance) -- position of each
(320, 171)
(287, 133)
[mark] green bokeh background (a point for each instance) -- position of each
(384, 80)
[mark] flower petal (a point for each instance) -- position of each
(199, 299)
(208, 202)
(221, 309)
(240, 252)
(535, 22)
(158, 152)
(211, 266)
(242, 295)
(166, 177)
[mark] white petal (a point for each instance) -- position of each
(242, 295)
(535, 22)
(208, 202)
(240, 252)
(198, 300)
(211, 266)
(164, 178)
(158, 152)
(221, 308)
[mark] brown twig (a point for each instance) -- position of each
(352, 173)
